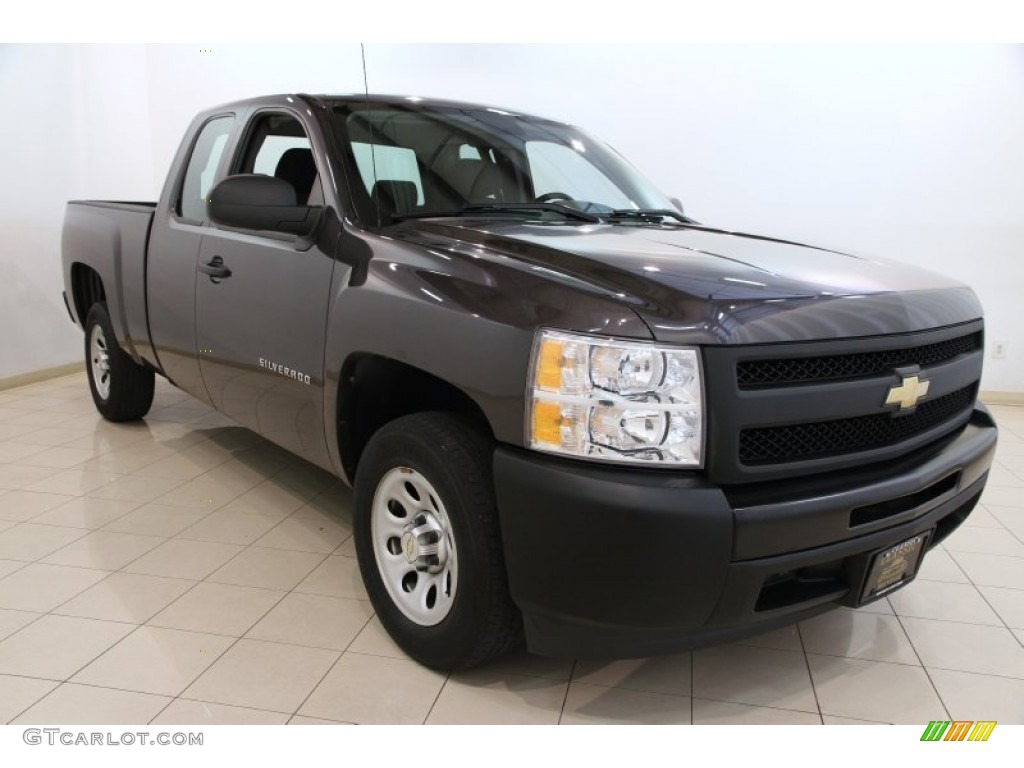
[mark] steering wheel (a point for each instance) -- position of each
(548, 197)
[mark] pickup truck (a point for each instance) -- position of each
(573, 418)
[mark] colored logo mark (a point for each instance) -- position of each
(958, 730)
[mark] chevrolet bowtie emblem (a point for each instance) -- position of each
(908, 392)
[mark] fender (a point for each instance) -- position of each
(98, 235)
(415, 302)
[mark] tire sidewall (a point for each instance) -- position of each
(98, 316)
(131, 385)
(438, 645)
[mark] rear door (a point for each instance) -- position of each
(261, 330)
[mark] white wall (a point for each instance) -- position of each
(37, 157)
(183, 81)
(909, 152)
(59, 141)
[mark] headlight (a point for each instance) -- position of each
(615, 400)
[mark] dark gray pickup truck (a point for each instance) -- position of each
(572, 416)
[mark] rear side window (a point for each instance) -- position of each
(202, 167)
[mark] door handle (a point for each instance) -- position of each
(215, 269)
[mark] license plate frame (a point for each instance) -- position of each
(893, 567)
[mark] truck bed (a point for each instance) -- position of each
(118, 205)
(111, 237)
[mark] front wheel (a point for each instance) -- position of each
(122, 390)
(429, 544)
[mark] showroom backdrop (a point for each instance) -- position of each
(909, 152)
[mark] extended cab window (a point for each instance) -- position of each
(277, 145)
(202, 167)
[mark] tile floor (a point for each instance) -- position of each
(184, 571)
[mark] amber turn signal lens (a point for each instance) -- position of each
(547, 422)
(549, 370)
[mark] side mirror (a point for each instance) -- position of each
(677, 203)
(252, 201)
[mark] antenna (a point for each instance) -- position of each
(373, 150)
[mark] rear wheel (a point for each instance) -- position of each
(121, 388)
(429, 544)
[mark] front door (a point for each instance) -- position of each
(261, 329)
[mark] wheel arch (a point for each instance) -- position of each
(375, 390)
(86, 289)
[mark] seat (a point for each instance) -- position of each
(462, 174)
(493, 185)
(480, 181)
(297, 167)
(393, 196)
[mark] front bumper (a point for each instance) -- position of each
(607, 562)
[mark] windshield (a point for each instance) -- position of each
(411, 160)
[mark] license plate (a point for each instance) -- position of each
(893, 567)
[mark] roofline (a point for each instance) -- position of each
(410, 101)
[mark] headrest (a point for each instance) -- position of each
(395, 196)
(297, 167)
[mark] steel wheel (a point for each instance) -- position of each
(121, 389)
(99, 359)
(414, 546)
(429, 543)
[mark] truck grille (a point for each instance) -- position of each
(751, 374)
(796, 409)
(774, 445)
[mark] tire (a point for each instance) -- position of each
(121, 388)
(455, 540)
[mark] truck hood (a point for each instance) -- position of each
(696, 284)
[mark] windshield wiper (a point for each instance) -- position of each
(647, 214)
(568, 211)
